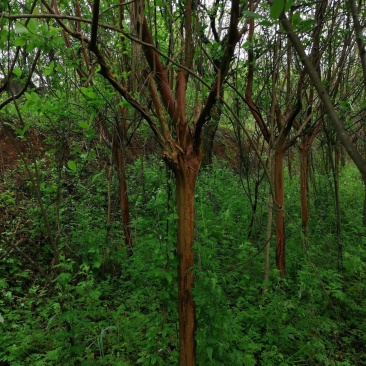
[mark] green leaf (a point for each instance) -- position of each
(247, 44)
(17, 71)
(307, 25)
(296, 18)
(19, 131)
(277, 8)
(31, 46)
(266, 23)
(49, 68)
(4, 34)
(288, 5)
(20, 28)
(84, 125)
(89, 92)
(90, 132)
(209, 351)
(20, 41)
(124, 103)
(1, 319)
(28, 124)
(33, 99)
(344, 106)
(72, 166)
(32, 25)
(252, 14)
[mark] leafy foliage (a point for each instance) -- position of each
(103, 307)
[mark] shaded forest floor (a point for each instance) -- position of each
(100, 306)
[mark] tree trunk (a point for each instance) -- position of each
(279, 181)
(337, 158)
(207, 143)
(269, 218)
(209, 136)
(120, 161)
(304, 168)
(186, 180)
(268, 237)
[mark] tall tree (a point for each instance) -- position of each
(180, 138)
(283, 121)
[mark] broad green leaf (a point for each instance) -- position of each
(124, 103)
(19, 132)
(91, 95)
(49, 69)
(265, 23)
(17, 71)
(4, 34)
(20, 41)
(21, 29)
(30, 46)
(83, 124)
(252, 14)
(288, 5)
(89, 92)
(1, 319)
(32, 25)
(307, 25)
(277, 8)
(296, 18)
(72, 166)
(33, 97)
(247, 44)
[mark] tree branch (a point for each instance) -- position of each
(94, 27)
(323, 95)
(233, 39)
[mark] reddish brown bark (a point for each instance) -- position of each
(305, 146)
(186, 174)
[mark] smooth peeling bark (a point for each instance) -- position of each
(279, 181)
(185, 186)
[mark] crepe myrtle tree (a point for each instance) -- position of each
(162, 100)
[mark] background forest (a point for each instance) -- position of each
(182, 182)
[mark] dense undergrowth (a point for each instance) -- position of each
(100, 306)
